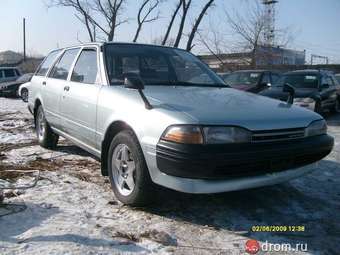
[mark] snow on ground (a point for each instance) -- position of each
(73, 211)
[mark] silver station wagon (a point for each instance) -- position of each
(159, 116)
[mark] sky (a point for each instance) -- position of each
(314, 24)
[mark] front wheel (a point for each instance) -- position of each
(318, 107)
(337, 105)
(129, 175)
(46, 137)
(24, 95)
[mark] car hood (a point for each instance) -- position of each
(227, 106)
(277, 92)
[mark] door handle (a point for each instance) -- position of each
(44, 83)
(66, 88)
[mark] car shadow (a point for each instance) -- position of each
(88, 241)
(71, 149)
(311, 201)
(23, 217)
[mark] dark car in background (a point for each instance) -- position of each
(8, 74)
(337, 76)
(224, 75)
(10, 89)
(317, 90)
(252, 80)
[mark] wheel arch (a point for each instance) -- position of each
(113, 129)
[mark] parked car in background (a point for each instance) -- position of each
(9, 74)
(224, 76)
(252, 80)
(24, 90)
(337, 76)
(158, 115)
(314, 89)
(11, 89)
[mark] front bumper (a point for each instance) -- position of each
(237, 161)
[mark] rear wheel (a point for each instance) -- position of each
(129, 175)
(46, 137)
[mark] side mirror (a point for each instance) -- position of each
(291, 90)
(266, 84)
(133, 81)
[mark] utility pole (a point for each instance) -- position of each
(269, 25)
(24, 36)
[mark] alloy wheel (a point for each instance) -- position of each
(124, 170)
(41, 128)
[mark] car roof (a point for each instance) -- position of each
(117, 43)
(254, 71)
(309, 71)
(7, 67)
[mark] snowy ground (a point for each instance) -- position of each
(73, 211)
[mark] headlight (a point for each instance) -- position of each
(318, 127)
(215, 135)
(208, 135)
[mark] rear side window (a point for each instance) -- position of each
(1, 76)
(46, 64)
(9, 73)
(62, 68)
(86, 69)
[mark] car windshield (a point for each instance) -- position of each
(302, 81)
(243, 78)
(158, 66)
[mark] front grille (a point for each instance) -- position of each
(278, 135)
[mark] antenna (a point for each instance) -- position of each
(269, 27)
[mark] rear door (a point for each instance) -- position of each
(54, 85)
(38, 81)
(79, 98)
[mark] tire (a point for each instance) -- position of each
(336, 108)
(24, 95)
(46, 137)
(318, 107)
(129, 175)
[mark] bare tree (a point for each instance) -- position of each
(185, 7)
(82, 13)
(249, 29)
(173, 17)
(147, 7)
(197, 23)
(101, 15)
